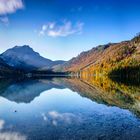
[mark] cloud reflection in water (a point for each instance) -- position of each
(55, 117)
(10, 135)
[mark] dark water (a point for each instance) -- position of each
(69, 109)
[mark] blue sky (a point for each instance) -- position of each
(61, 29)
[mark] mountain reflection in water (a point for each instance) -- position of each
(69, 108)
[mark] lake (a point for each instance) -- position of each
(69, 109)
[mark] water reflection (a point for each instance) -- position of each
(67, 108)
(121, 94)
(25, 91)
(9, 135)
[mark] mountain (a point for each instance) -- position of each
(106, 58)
(25, 58)
(3, 64)
(6, 70)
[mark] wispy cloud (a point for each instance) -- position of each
(62, 117)
(10, 6)
(63, 29)
(4, 20)
(55, 118)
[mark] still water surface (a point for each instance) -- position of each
(69, 109)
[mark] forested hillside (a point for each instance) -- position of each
(107, 58)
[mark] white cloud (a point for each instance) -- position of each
(43, 30)
(10, 6)
(64, 29)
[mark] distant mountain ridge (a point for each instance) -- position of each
(25, 58)
(106, 57)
